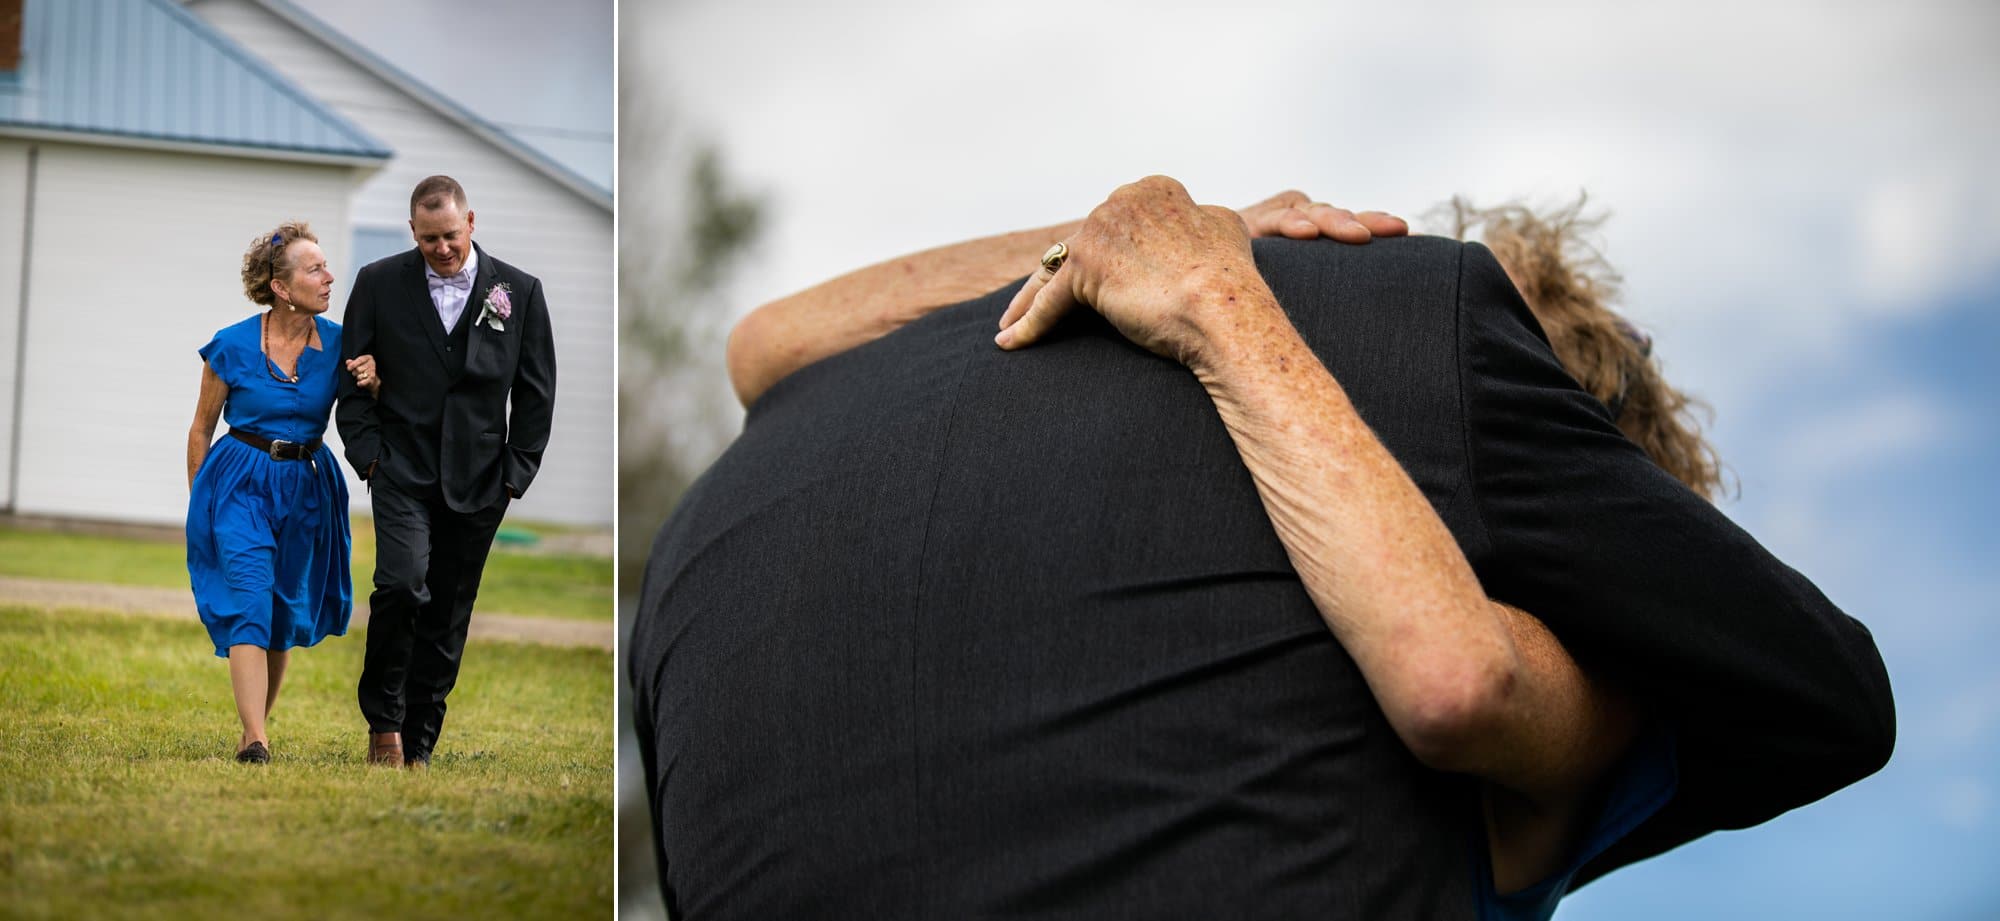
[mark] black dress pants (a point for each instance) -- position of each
(428, 559)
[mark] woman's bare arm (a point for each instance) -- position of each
(864, 305)
(207, 412)
(867, 304)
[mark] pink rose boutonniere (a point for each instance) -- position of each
(498, 307)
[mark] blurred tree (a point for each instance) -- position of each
(682, 229)
(676, 411)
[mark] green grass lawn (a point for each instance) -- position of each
(119, 795)
(516, 582)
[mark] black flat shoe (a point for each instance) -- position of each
(255, 754)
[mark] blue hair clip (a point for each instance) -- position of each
(277, 239)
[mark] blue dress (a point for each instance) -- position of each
(267, 540)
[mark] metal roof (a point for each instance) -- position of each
(148, 73)
(439, 102)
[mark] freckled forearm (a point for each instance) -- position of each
(1383, 570)
(197, 449)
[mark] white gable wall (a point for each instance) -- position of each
(523, 217)
(133, 264)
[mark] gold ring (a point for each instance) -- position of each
(1053, 259)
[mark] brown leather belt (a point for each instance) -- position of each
(279, 450)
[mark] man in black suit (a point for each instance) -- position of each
(457, 336)
(952, 631)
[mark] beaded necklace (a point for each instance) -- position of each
(270, 364)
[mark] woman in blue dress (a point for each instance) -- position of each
(267, 531)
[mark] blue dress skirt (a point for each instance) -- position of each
(267, 540)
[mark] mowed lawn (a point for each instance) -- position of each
(120, 798)
(515, 582)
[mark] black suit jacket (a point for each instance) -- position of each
(443, 419)
(953, 632)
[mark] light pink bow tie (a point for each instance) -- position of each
(461, 282)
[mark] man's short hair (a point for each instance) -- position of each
(431, 194)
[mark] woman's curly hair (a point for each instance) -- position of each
(266, 259)
(1570, 288)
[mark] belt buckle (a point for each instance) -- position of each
(278, 449)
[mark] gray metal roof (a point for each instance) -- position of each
(439, 102)
(150, 73)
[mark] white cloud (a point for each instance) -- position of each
(1850, 440)
(1804, 466)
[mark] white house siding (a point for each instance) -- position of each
(13, 227)
(523, 217)
(134, 263)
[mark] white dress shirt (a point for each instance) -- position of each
(450, 298)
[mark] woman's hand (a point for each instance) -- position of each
(1157, 265)
(1154, 263)
(365, 376)
(1294, 214)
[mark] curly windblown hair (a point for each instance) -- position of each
(1570, 288)
(266, 259)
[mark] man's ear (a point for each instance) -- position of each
(413, 230)
(468, 222)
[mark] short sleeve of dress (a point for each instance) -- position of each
(219, 356)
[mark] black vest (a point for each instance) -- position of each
(456, 337)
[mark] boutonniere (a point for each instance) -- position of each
(498, 307)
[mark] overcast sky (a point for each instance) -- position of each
(539, 69)
(1805, 211)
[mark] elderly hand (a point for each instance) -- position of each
(1293, 214)
(1152, 262)
(365, 377)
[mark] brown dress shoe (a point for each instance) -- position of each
(385, 748)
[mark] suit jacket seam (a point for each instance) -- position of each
(1469, 464)
(925, 817)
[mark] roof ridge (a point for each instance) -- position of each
(343, 44)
